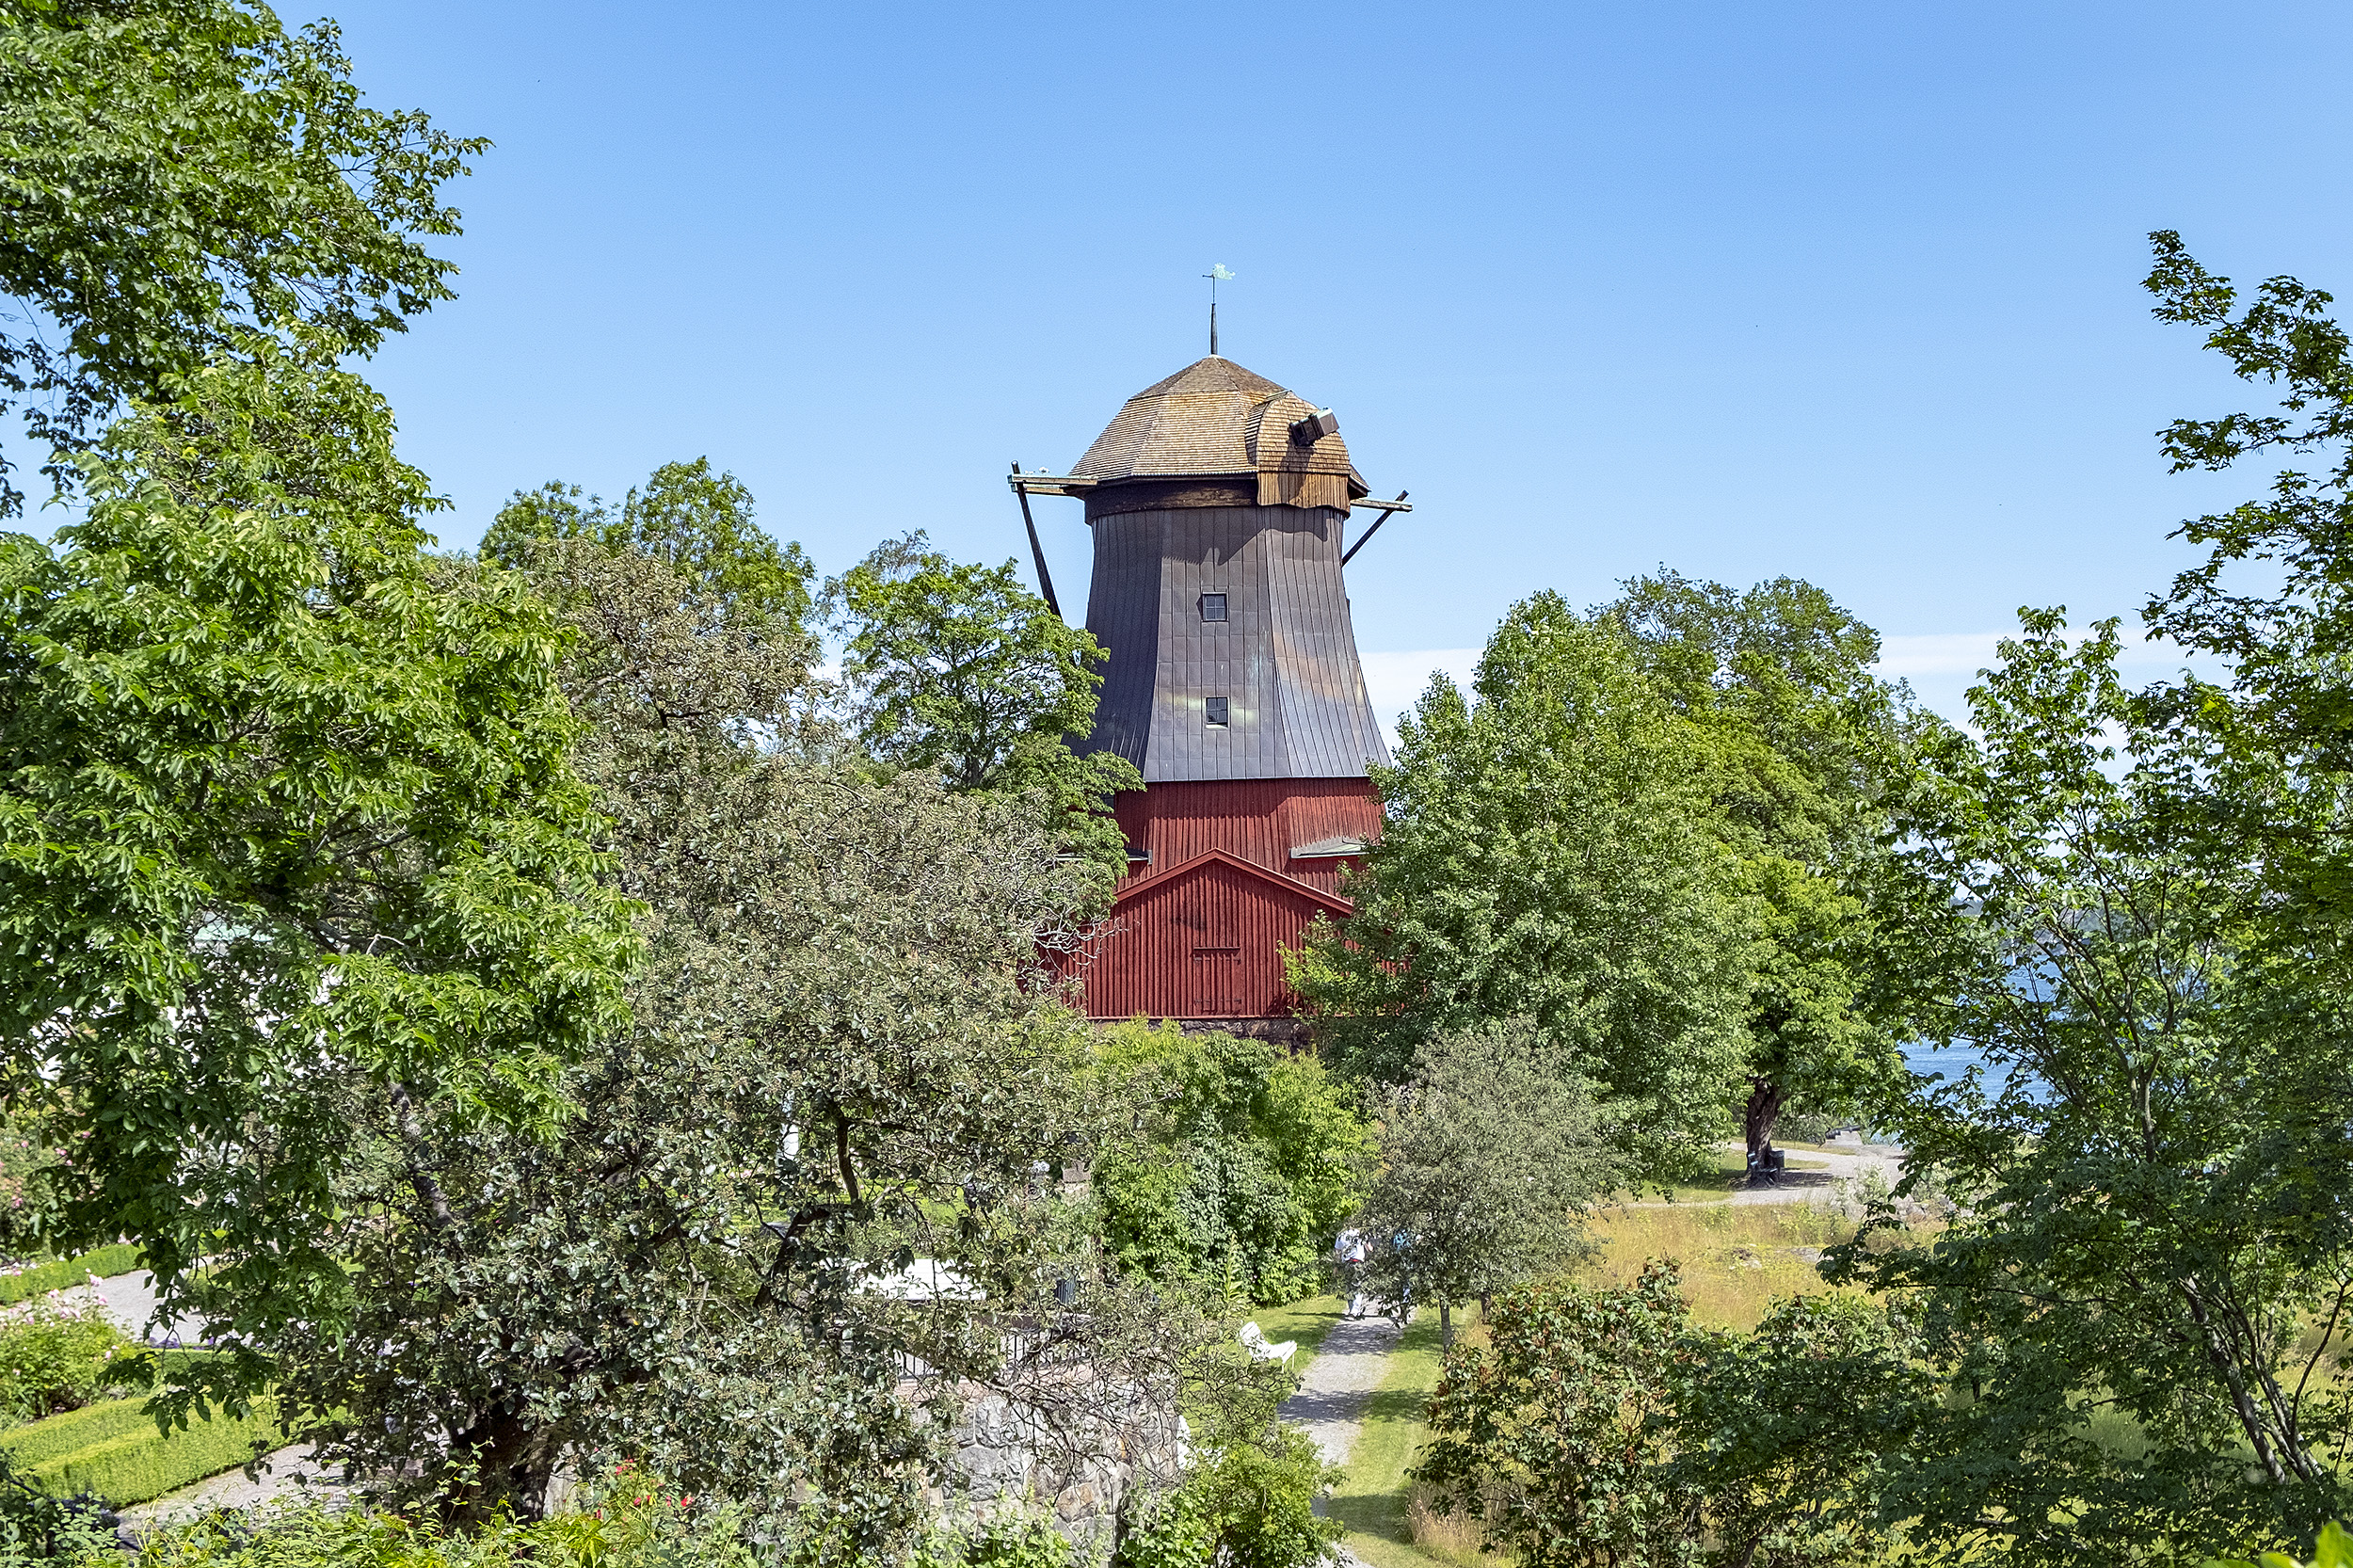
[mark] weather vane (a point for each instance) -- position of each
(1216, 275)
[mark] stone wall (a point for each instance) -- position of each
(1081, 1465)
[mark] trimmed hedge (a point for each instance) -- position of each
(115, 1451)
(121, 1258)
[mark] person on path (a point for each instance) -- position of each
(1349, 1252)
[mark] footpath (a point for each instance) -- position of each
(1843, 1159)
(1338, 1384)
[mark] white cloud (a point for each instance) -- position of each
(1938, 653)
(1967, 652)
(1393, 680)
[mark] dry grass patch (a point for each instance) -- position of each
(1736, 1259)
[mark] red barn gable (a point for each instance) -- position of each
(1219, 502)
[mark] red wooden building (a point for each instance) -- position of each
(1219, 503)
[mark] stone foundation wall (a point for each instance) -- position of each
(1080, 1468)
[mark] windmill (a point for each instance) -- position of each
(1219, 502)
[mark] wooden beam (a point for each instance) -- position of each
(1037, 551)
(1366, 538)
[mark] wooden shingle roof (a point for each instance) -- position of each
(1215, 417)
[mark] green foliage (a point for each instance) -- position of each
(54, 1358)
(28, 1163)
(1007, 1534)
(1552, 854)
(1257, 1500)
(960, 668)
(1488, 1160)
(115, 1451)
(696, 522)
(287, 835)
(1170, 1531)
(36, 1526)
(1602, 1427)
(847, 1056)
(953, 663)
(1551, 1431)
(183, 174)
(1767, 1436)
(1240, 1160)
(2151, 1223)
(2334, 1549)
(57, 1274)
(1245, 1505)
(1813, 754)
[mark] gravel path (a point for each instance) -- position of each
(285, 1476)
(130, 1301)
(1842, 1161)
(1330, 1404)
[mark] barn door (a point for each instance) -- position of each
(1216, 926)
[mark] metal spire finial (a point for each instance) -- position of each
(1216, 275)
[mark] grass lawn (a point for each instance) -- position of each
(1372, 1499)
(1306, 1321)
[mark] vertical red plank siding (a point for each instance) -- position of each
(1207, 941)
(1260, 821)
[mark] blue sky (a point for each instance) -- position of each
(1846, 292)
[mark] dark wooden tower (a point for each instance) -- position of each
(1219, 502)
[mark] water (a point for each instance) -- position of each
(1954, 1059)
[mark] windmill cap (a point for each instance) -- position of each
(1215, 419)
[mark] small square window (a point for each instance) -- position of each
(1213, 606)
(1217, 713)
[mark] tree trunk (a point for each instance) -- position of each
(1445, 1324)
(1758, 1120)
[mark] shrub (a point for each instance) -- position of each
(1008, 1534)
(114, 1449)
(59, 1273)
(1244, 1160)
(1602, 1426)
(2334, 1549)
(35, 1526)
(1249, 1505)
(628, 1522)
(56, 1358)
(1172, 1530)
(1259, 1501)
(1559, 1417)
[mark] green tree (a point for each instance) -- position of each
(1552, 1432)
(183, 176)
(959, 668)
(697, 522)
(1765, 1434)
(1489, 1160)
(1551, 853)
(288, 838)
(1812, 758)
(2153, 1229)
(848, 1068)
(2152, 1257)
(2334, 1549)
(1238, 1162)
